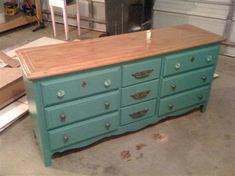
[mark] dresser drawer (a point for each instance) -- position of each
(71, 87)
(80, 131)
(138, 93)
(183, 100)
(191, 59)
(78, 110)
(137, 112)
(141, 71)
(186, 81)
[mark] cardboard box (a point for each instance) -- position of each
(11, 81)
(11, 85)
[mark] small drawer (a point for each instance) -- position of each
(186, 81)
(70, 112)
(141, 71)
(138, 93)
(66, 88)
(137, 112)
(183, 100)
(191, 59)
(78, 132)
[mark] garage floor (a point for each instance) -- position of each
(200, 144)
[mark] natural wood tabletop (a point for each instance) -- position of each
(76, 56)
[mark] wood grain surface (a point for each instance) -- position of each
(76, 56)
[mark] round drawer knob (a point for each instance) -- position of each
(107, 126)
(62, 117)
(66, 138)
(192, 59)
(200, 97)
(107, 83)
(204, 78)
(84, 84)
(107, 105)
(60, 94)
(171, 106)
(173, 87)
(209, 59)
(177, 66)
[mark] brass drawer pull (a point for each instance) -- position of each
(192, 59)
(204, 78)
(107, 105)
(209, 59)
(140, 95)
(62, 117)
(60, 93)
(142, 74)
(200, 97)
(173, 87)
(171, 106)
(66, 138)
(107, 125)
(177, 66)
(139, 114)
(107, 83)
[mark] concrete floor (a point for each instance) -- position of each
(196, 144)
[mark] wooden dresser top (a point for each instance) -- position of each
(76, 56)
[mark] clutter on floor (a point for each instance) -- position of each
(12, 107)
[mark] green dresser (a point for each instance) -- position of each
(74, 109)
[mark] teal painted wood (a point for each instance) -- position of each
(131, 127)
(190, 59)
(183, 100)
(36, 110)
(84, 130)
(137, 112)
(66, 113)
(183, 82)
(141, 71)
(70, 87)
(86, 119)
(139, 93)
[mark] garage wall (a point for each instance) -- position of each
(208, 14)
(99, 13)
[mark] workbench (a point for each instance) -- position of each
(81, 92)
(21, 19)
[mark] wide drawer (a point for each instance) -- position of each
(141, 71)
(183, 100)
(191, 59)
(137, 112)
(61, 89)
(186, 81)
(70, 112)
(83, 130)
(138, 93)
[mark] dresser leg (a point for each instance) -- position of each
(47, 160)
(203, 108)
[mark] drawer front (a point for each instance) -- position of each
(183, 100)
(137, 112)
(186, 81)
(141, 71)
(71, 87)
(70, 112)
(83, 130)
(192, 59)
(138, 93)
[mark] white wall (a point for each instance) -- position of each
(211, 17)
